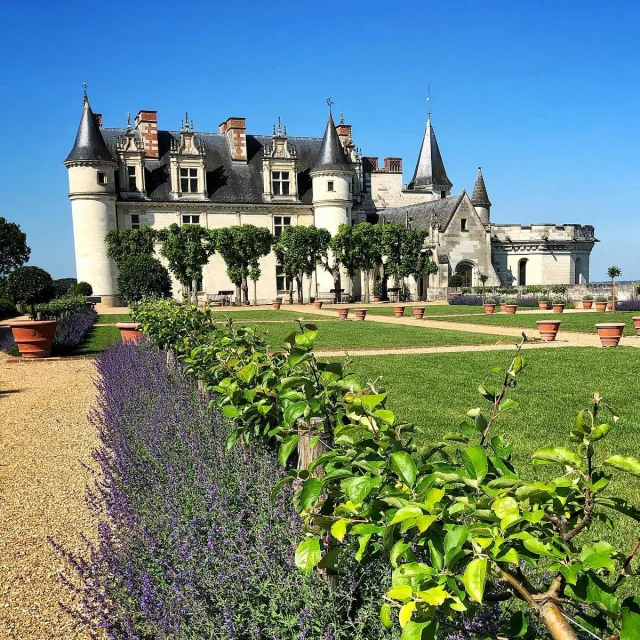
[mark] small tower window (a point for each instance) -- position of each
(279, 223)
(189, 180)
(131, 171)
(280, 183)
(135, 221)
(102, 178)
(463, 224)
(443, 194)
(188, 219)
(330, 185)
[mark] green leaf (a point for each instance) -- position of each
(630, 619)
(504, 507)
(404, 467)
(406, 611)
(570, 573)
(385, 616)
(475, 577)
(434, 596)
(308, 554)
(289, 443)
(456, 537)
(598, 556)
(370, 402)
(311, 490)
(248, 372)
(293, 412)
(385, 415)
(401, 592)
(397, 551)
(230, 411)
(558, 455)
(475, 462)
(339, 529)
(419, 630)
(276, 490)
(362, 544)
(357, 488)
(538, 547)
(600, 432)
(410, 511)
(306, 339)
(629, 464)
(507, 404)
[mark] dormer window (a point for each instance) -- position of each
(463, 224)
(280, 183)
(189, 180)
(133, 185)
(102, 178)
(443, 195)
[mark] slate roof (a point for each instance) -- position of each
(424, 215)
(226, 182)
(480, 198)
(331, 154)
(89, 145)
(430, 171)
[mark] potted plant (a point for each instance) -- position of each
(510, 306)
(398, 311)
(587, 301)
(558, 305)
(343, 312)
(418, 312)
(636, 324)
(613, 272)
(548, 329)
(544, 303)
(489, 305)
(601, 303)
(377, 290)
(31, 286)
(276, 303)
(130, 332)
(317, 304)
(361, 314)
(610, 333)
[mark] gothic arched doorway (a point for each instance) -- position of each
(465, 269)
(522, 272)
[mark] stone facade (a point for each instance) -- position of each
(130, 177)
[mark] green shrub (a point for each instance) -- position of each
(80, 289)
(30, 286)
(62, 285)
(560, 289)
(142, 276)
(587, 297)
(466, 290)
(60, 308)
(544, 298)
(559, 301)
(507, 291)
(601, 299)
(510, 301)
(456, 280)
(534, 288)
(7, 309)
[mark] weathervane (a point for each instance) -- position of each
(330, 102)
(84, 87)
(428, 98)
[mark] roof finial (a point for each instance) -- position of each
(342, 118)
(84, 90)
(128, 119)
(479, 169)
(429, 101)
(285, 129)
(279, 127)
(186, 121)
(330, 102)
(274, 129)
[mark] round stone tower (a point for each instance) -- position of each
(92, 191)
(480, 199)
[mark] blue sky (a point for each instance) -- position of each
(544, 95)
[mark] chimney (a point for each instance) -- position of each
(393, 165)
(236, 131)
(344, 132)
(147, 125)
(370, 164)
(98, 117)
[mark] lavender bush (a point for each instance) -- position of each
(468, 299)
(189, 544)
(627, 305)
(8, 344)
(528, 301)
(72, 329)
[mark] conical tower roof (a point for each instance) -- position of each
(331, 154)
(89, 145)
(430, 171)
(480, 198)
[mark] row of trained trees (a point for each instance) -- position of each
(388, 251)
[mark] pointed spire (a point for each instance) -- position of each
(480, 198)
(430, 173)
(331, 155)
(89, 145)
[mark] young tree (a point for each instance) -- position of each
(123, 244)
(367, 245)
(187, 249)
(613, 272)
(423, 266)
(141, 276)
(483, 277)
(290, 249)
(30, 286)
(412, 260)
(316, 245)
(344, 246)
(14, 251)
(401, 248)
(257, 242)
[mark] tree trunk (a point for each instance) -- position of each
(367, 280)
(613, 296)
(337, 282)
(310, 286)
(351, 281)
(255, 293)
(291, 291)
(555, 622)
(185, 292)
(238, 292)
(299, 287)
(315, 273)
(245, 290)
(306, 453)
(194, 291)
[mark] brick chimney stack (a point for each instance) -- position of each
(393, 165)
(147, 125)
(344, 132)
(236, 131)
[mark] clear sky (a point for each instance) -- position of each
(544, 95)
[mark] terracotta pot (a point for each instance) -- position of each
(418, 312)
(489, 308)
(587, 304)
(343, 312)
(276, 304)
(317, 304)
(361, 314)
(548, 329)
(511, 308)
(398, 311)
(609, 305)
(610, 333)
(558, 308)
(129, 331)
(503, 307)
(601, 306)
(544, 305)
(376, 298)
(34, 337)
(636, 324)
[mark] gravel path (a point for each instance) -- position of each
(44, 436)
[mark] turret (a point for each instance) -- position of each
(92, 191)
(480, 199)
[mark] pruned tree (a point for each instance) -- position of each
(613, 272)
(344, 246)
(316, 246)
(14, 251)
(291, 252)
(125, 243)
(401, 248)
(367, 246)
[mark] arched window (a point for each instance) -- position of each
(577, 276)
(465, 269)
(522, 272)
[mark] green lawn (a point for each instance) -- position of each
(340, 334)
(430, 310)
(585, 321)
(435, 392)
(113, 318)
(97, 340)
